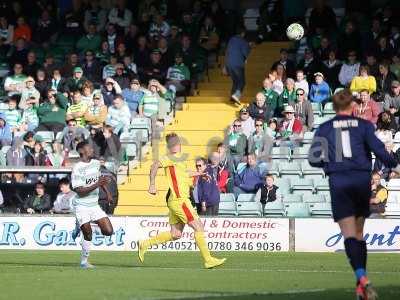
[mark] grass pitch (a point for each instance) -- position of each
(246, 275)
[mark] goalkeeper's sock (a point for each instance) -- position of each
(163, 237)
(354, 251)
(85, 251)
(202, 244)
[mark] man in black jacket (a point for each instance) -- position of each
(259, 109)
(39, 201)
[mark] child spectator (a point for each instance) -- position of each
(269, 191)
(320, 90)
(63, 202)
(12, 115)
(29, 93)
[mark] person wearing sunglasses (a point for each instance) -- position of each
(247, 122)
(237, 142)
(259, 142)
(303, 110)
(290, 129)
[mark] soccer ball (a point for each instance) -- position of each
(295, 31)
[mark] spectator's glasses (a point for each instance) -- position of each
(259, 125)
(96, 98)
(237, 126)
(199, 166)
(300, 94)
(244, 113)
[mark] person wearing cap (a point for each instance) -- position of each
(285, 62)
(29, 93)
(367, 109)
(290, 128)
(52, 112)
(154, 69)
(392, 99)
(237, 142)
(77, 109)
(320, 92)
(96, 113)
(303, 110)
(121, 76)
(247, 121)
(109, 90)
(14, 83)
(309, 64)
(109, 70)
(178, 75)
(76, 81)
(133, 96)
(363, 82)
(349, 69)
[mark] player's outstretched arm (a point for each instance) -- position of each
(153, 173)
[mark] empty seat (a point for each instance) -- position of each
(249, 209)
(393, 184)
(283, 184)
(321, 184)
(280, 153)
(291, 170)
(392, 210)
(273, 168)
(314, 199)
(247, 198)
(323, 209)
(289, 198)
(301, 152)
(302, 184)
(297, 209)
(227, 209)
(46, 136)
(316, 107)
(328, 109)
(308, 137)
(306, 169)
(275, 208)
(227, 198)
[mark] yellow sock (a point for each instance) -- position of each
(159, 239)
(202, 244)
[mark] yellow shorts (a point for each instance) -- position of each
(181, 211)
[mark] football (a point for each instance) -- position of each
(295, 31)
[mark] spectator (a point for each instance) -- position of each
(39, 201)
(384, 80)
(142, 54)
(37, 157)
(379, 167)
(19, 52)
(167, 56)
(57, 158)
(87, 92)
(52, 112)
(386, 126)
(367, 109)
(379, 195)
(178, 75)
(5, 132)
(89, 42)
(277, 84)
(109, 90)
(247, 122)
(154, 69)
(96, 113)
(6, 35)
(309, 64)
(57, 82)
(303, 110)
(384, 50)
(372, 64)
(76, 81)
(237, 142)
(12, 115)
(258, 109)
(288, 64)
(290, 128)
(119, 116)
(91, 67)
(30, 119)
(133, 96)
(363, 82)
(349, 69)
(63, 202)
(259, 143)
(320, 91)
(301, 82)
(15, 83)
(72, 135)
(225, 159)
(209, 36)
(16, 154)
(77, 110)
(42, 83)
(158, 28)
(392, 99)
(269, 191)
(96, 16)
(219, 172)
(322, 16)
(350, 39)
(68, 68)
(121, 77)
(120, 16)
(49, 65)
(110, 145)
(111, 193)
(271, 97)
(289, 93)
(32, 66)
(237, 51)
(45, 29)
(103, 55)
(272, 128)
(22, 30)
(130, 66)
(331, 68)
(29, 92)
(395, 66)
(249, 180)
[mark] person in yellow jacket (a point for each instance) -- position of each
(96, 114)
(363, 82)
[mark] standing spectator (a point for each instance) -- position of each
(303, 110)
(269, 191)
(77, 110)
(331, 68)
(96, 113)
(29, 93)
(39, 201)
(271, 97)
(286, 63)
(301, 82)
(178, 75)
(52, 112)
(63, 202)
(119, 115)
(91, 67)
(379, 195)
(384, 80)
(15, 83)
(5, 132)
(349, 69)
(320, 91)
(133, 96)
(237, 51)
(363, 82)
(237, 142)
(249, 180)
(120, 16)
(111, 191)
(367, 109)
(392, 99)
(207, 189)
(22, 30)
(247, 122)
(258, 109)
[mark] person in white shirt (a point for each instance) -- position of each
(120, 15)
(63, 203)
(248, 126)
(301, 82)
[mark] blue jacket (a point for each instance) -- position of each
(237, 51)
(249, 179)
(132, 98)
(5, 132)
(207, 189)
(319, 92)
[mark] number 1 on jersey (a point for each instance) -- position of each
(346, 145)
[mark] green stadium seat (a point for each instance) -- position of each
(283, 184)
(321, 184)
(308, 137)
(301, 152)
(248, 197)
(316, 107)
(297, 209)
(290, 170)
(289, 198)
(274, 209)
(314, 199)
(328, 109)
(302, 184)
(227, 198)
(46, 136)
(227, 209)
(280, 153)
(323, 209)
(249, 209)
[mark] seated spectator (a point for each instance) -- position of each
(286, 63)
(121, 77)
(72, 135)
(119, 115)
(111, 146)
(349, 40)
(392, 99)
(372, 64)
(14, 84)
(269, 191)
(12, 115)
(237, 142)
(225, 159)
(52, 112)
(76, 81)
(87, 92)
(130, 66)
(5, 132)
(320, 91)
(30, 119)
(271, 97)
(217, 171)
(349, 69)
(22, 30)
(103, 55)
(29, 93)
(120, 16)
(39, 201)
(63, 202)
(109, 90)
(331, 68)
(288, 95)
(386, 126)
(89, 42)
(49, 65)
(121, 51)
(96, 113)
(19, 53)
(95, 15)
(133, 96)
(57, 82)
(68, 68)
(309, 64)
(207, 189)
(384, 80)
(367, 109)
(384, 50)
(6, 35)
(209, 36)
(301, 82)
(167, 56)
(258, 109)
(45, 29)
(158, 28)
(91, 67)
(259, 143)
(247, 122)
(178, 75)
(108, 199)
(277, 84)
(42, 82)
(37, 157)
(290, 128)
(363, 82)
(303, 110)
(272, 128)
(379, 195)
(58, 157)
(142, 54)
(77, 110)
(109, 70)
(379, 167)
(395, 66)
(249, 180)
(16, 154)
(32, 66)
(154, 70)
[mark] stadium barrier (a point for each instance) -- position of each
(223, 234)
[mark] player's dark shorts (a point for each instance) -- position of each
(350, 194)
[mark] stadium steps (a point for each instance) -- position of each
(202, 122)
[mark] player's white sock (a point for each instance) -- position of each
(85, 251)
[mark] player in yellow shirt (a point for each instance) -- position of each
(181, 211)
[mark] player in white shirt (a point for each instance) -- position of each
(86, 181)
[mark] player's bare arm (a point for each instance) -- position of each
(84, 191)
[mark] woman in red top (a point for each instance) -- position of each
(22, 30)
(367, 109)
